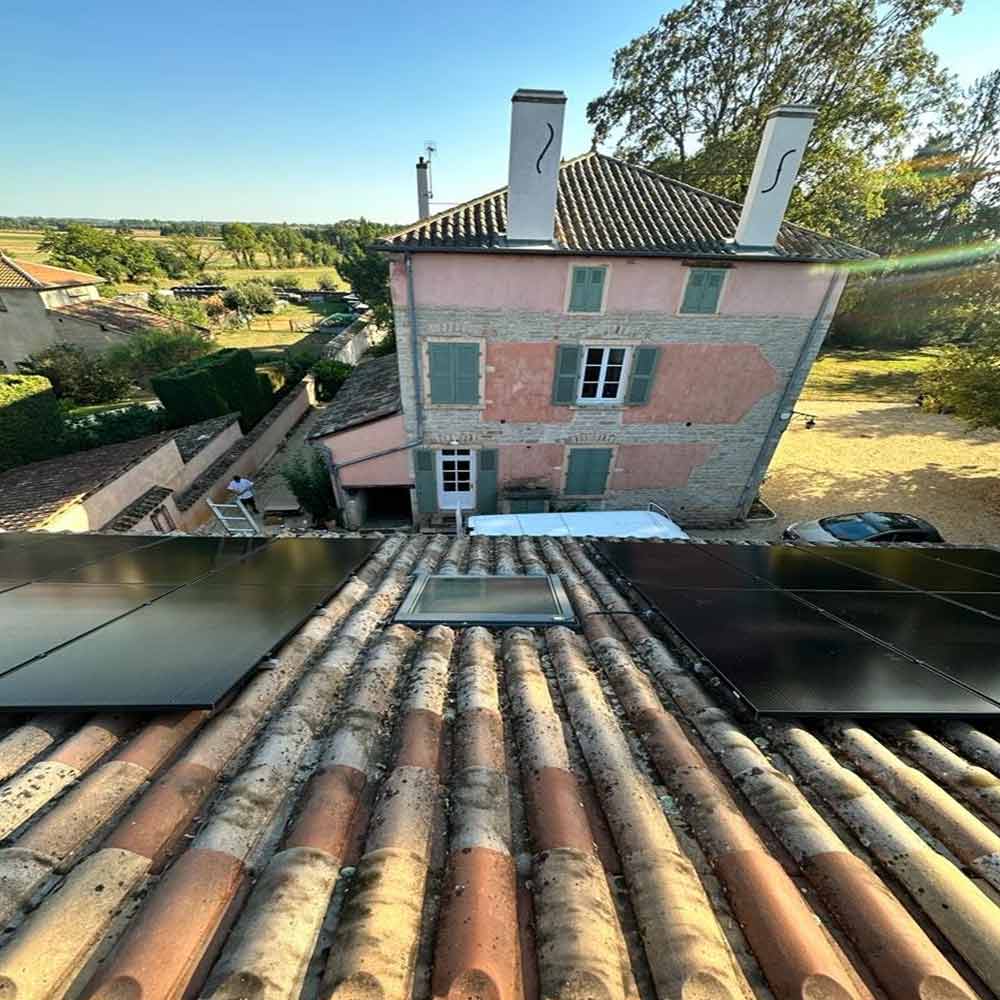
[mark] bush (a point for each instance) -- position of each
(148, 352)
(330, 376)
(250, 297)
(209, 278)
(223, 382)
(298, 363)
(215, 308)
(87, 379)
(184, 312)
(385, 346)
(327, 282)
(31, 421)
(309, 479)
(966, 381)
(285, 281)
(114, 426)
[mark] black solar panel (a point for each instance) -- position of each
(833, 631)
(982, 560)
(130, 622)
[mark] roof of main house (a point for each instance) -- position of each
(609, 207)
(27, 274)
(505, 813)
(370, 392)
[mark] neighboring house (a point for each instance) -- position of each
(42, 305)
(366, 417)
(596, 335)
(120, 487)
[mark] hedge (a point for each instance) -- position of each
(31, 422)
(223, 382)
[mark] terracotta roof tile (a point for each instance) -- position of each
(121, 316)
(27, 274)
(538, 813)
(607, 206)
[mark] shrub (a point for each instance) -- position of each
(309, 479)
(966, 381)
(114, 426)
(327, 282)
(330, 376)
(223, 382)
(148, 352)
(250, 297)
(298, 363)
(184, 312)
(209, 278)
(31, 421)
(385, 346)
(285, 281)
(214, 307)
(87, 379)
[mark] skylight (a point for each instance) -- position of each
(486, 600)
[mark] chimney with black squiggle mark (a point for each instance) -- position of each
(536, 126)
(775, 171)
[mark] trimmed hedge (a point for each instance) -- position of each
(31, 421)
(223, 382)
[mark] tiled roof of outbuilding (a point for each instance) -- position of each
(369, 393)
(131, 515)
(608, 206)
(507, 814)
(27, 274)
(121, 316)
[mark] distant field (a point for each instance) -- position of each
(868, 376)
(23, 244)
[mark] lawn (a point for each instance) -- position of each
(868, 376)
(282, 329)
(23, 244)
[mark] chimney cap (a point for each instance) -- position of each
(422, 164)
(793, 111)
(539, 96)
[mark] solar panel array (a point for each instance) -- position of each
(100, 622)
(833, 631)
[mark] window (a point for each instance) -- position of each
(587, 474)
(587, 289)
(486, 600)
(603, 375)
(3, 307)
(701, 294)
(454, 373)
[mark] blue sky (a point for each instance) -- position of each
(308, 112)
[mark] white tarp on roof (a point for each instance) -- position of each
(578, 524)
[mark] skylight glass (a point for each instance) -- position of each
(486, 600)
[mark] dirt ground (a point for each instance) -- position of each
(883, 456)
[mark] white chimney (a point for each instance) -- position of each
(781, 148)
(536, 126)
(423, 188)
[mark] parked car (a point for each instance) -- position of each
(870, 526)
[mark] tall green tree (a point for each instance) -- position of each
(111, 254)
(241, 240)
(690, 96)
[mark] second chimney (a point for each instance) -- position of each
(774, 173)
(423, 189)
(536, 126)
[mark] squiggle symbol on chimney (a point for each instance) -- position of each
(781, 163)
(545, 148)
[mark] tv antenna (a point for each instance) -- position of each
(430, 148)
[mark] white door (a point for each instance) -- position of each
(456, 474)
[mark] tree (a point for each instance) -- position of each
(241, 241)
(250, 297)
(148, 352)
(309, 479)
(690, 96)
(77, 375)
(112, 255)
(965, 380)
(330, 375)
(197, 254)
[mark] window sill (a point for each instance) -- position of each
(455, 406)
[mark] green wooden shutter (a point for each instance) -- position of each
(579, 290)
(596, 289)
(701, 295)
(425, 481)
(486, 482)
(567, 374)
(588, 471)
(442, 372)
(640, 382)
(466, 373)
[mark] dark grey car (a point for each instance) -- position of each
(870, 526)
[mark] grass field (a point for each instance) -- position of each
(868, 376)
(23, 244)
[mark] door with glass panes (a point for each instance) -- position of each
(456, 472)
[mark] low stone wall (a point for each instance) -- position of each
(352, 342)
(246, 456)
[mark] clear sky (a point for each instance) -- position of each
(305, 112)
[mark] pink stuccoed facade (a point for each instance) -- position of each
(700, 442)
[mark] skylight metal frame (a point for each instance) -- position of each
(408, 613)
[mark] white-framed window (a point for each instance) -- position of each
(603, 374)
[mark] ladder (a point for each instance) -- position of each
(235, 518)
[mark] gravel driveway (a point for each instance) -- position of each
(883, 456)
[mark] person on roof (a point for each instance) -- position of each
(242, 488)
